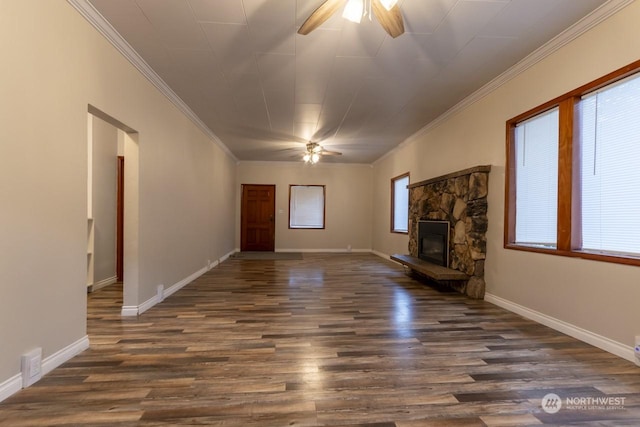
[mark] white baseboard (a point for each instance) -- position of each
(135, 310)
(604, 343)
(184, 282)
(223, 258)
(14, 384)
(102, 283)
(226, 257)
(334, 250)
(129, 310)
(382, 255)
(318, 251)
(67, 353)
(148, 304)
(10, 387)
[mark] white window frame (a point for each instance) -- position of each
(307, 206)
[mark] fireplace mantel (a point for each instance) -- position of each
(475, 169)
(461, 199)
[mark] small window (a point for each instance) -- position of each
(400, 204)
(306, 206)
(536, 153)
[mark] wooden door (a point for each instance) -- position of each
(120, 221)
(257, 218)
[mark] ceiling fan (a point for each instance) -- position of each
(387, 13)
(314, 151)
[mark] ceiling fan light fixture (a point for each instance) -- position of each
(311, 156)
(387, 12)
(354, 10)
(314, 153)
(388, 4)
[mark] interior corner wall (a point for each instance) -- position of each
(596, 297)
(104, 173)
(383, 240)
(55, 64)
(348, 203)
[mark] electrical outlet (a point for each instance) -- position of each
(31, 364)
(160, 293)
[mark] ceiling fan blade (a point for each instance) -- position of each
(330, 153)
(391, 20)
(320, 15)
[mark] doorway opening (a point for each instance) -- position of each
(112, 207)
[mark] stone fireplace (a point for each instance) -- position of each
(458, 199)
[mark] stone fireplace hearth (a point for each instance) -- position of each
(461, 199)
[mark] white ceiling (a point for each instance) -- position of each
(264, 90)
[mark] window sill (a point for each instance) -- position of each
(399, 232)
(614, 258)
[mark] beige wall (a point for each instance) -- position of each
(104, 180)
(601, 298)
(348, 203)
(54, 65)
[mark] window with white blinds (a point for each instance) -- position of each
(536, 155)
(400, 204)
(573, 172)
(610, 168)
(306, 206)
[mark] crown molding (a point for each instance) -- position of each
(611, 7)
(599, 15)
(91, 14)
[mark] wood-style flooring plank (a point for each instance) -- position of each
(331, 340)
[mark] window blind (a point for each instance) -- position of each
(536, 150)
(306, 206)
(610, 158)
(401, 204)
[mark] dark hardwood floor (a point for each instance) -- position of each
(331, 340)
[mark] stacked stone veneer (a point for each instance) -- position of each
(461, 199)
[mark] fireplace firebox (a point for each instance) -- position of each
(433, 242)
